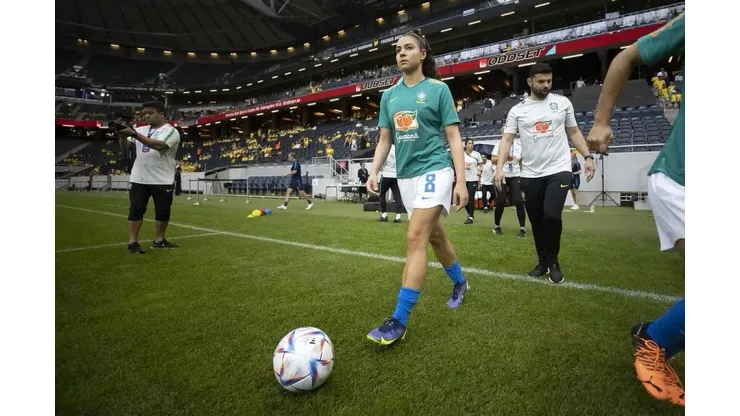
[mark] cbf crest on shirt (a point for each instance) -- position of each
(415, 116)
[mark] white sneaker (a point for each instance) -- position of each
(575, 207)
(282, 207)
(309, 206)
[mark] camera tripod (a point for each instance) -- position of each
(603, 194)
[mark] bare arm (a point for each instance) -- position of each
(151, 143)
(616, 78)
(381, 151)
(503, 149)
(575, 135)
(124, 142)
(456, 150)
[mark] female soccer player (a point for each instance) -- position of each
(412, 112)
(512, 172)
(472, 177)
(576, 182)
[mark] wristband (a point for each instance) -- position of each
(589, 156)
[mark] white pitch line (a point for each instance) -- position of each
(573, 285)
(67, 250)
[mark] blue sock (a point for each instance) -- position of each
(668, 330)
(454, 272)
(406, 300)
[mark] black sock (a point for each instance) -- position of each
(309, 201)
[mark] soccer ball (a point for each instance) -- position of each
(303, 359)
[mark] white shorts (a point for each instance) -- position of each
(428, 190)
(667, 199)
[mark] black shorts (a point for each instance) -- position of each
(296, 184)
(576, 182)
(139, 195)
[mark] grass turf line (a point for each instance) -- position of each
(193, 330)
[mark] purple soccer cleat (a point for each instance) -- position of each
(391, 331)
(458, 292)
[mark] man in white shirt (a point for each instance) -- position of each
(472, 177)
(487, 169)
(153, 173)
(388, 180)
(544, 122)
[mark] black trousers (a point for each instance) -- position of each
(472, 188)
(512, 188)
(139, 195)
(385, 185)
(544, 198)
(486, 190)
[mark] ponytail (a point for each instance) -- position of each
(428, 65)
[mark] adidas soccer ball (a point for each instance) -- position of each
(303, 359)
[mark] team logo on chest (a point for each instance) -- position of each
(421, 98)
(405, 121)
(541, 130)
(554, 107)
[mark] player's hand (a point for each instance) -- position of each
(460, 196)
(589, 169)
(599, 138)
(372, 185)
(127, 132)
(498, 179)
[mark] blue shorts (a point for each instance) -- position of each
(576, 183)
(296, 184)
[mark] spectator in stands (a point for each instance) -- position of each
(544, 123)
(580, 83)
(152, 174)
(655, 342)
(675, 95)
(659, 84)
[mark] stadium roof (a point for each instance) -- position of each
(209, 25)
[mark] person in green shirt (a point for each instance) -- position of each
(412, 112)
(657, 341)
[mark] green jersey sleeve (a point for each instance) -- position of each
(447, 112)
(664, 42)
(384, 121)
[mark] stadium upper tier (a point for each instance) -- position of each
(146, 73)
(638, 124)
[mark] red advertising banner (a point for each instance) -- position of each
(562, 48)
(88, 124)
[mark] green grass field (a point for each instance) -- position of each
(192, 330)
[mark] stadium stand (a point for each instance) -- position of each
(113, 70)
(638, 122)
